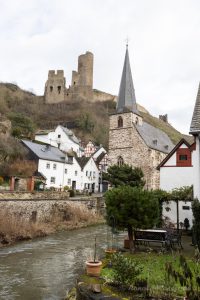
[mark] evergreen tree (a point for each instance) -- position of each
(132, 208)
(124, 175)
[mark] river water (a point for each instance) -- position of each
(46, 268)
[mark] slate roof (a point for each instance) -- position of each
(155, 138)
(195, 123)
(46, 152)
(70, 134)
(82, 161)
(126, 99)
(100, 157)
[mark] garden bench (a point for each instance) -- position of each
(151, 235)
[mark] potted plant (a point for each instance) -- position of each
(93, 266)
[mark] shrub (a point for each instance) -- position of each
(126, 270)
(71, 193)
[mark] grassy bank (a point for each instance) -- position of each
(14, 228)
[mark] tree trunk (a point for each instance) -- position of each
(130, 237)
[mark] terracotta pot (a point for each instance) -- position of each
(126, 243)
(110, 251)
(93, 268)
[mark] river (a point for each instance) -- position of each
(46, 268)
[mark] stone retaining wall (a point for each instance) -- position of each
(44, 207)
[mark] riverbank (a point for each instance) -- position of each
(15, 228)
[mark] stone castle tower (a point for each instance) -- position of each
(81, 84)
(132, 141)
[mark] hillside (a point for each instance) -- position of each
(28, 113)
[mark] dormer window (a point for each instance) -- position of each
(155, 142)
(120, 161)
(120, 122)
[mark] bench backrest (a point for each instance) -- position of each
(150, 235)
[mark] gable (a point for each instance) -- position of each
(180, 156)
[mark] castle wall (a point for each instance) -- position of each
(102, 96)
(81, 84)
(85, 69)
(127, 143)
(55, 87)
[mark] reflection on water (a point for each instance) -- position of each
(46, 268)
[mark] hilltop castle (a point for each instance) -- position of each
(81, 84)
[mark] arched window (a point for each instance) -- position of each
(120, 161)
(120, 122)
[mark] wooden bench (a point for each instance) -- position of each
(147, 236)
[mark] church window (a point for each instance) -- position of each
(59, 89)
(120, 122)
(120, 161)
(51, 88)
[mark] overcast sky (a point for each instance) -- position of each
(164, 47)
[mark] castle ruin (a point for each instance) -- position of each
(81, 84)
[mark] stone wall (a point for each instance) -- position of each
(81, 84)
(38, 209)
(55, 87)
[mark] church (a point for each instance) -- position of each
(132, 140)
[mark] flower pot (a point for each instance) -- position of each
(110, 251)
(93, 268)
(126, 243)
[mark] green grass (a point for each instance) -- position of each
(154, 271)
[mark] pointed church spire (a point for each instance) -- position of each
(126, 99)
(195, 123)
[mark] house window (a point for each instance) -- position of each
(54, 166)
(136, 120)
(48, 166)
(51, 88)
(86, 173)
(70, 159)
(120, 161)
(53, 179)
(90, 173)
(76, 173)
(69, 181)
(94, 174)
(183, 157)
(185, 207)
(65, 171)
(59, 136)
(120, 122)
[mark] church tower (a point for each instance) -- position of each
(133, 141)
(121, 133)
